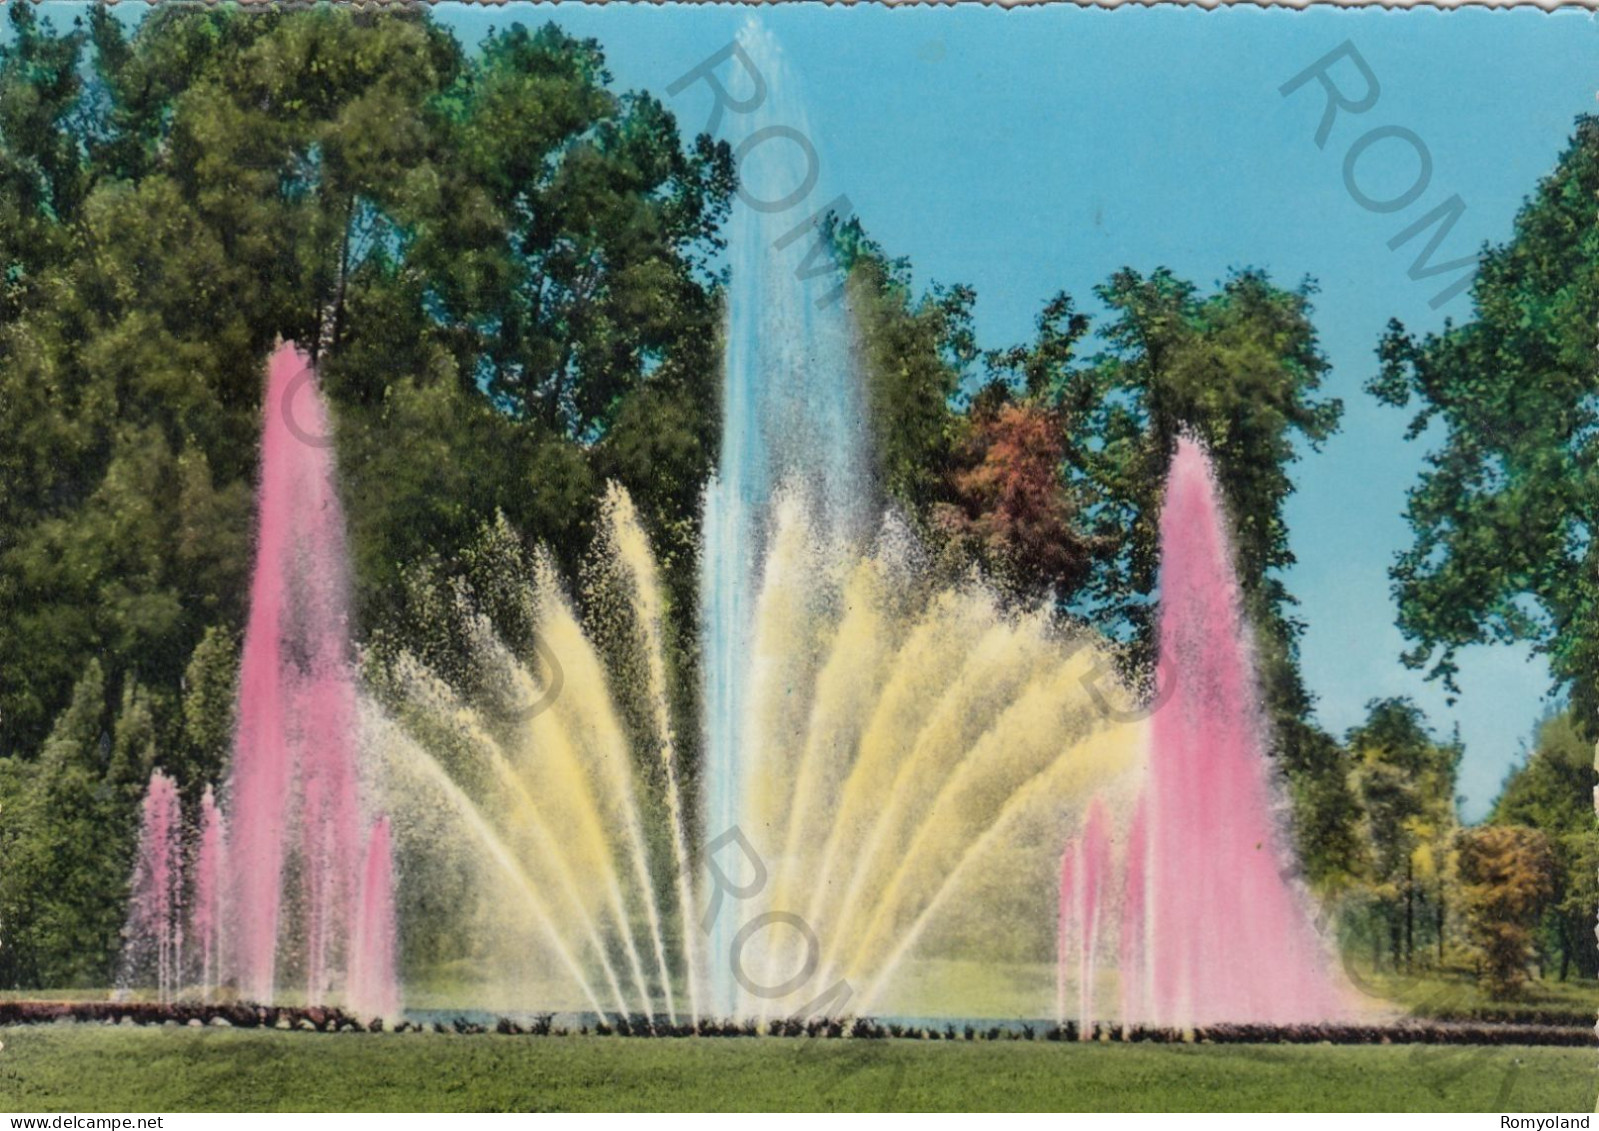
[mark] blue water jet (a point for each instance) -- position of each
(792, 417)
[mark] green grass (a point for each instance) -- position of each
(87, 1068)
(1445, 993)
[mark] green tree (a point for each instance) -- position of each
(1553, 791)
(1404, 781)
(1503, 517)
(917, 349)
(1326, 811)
(210, 694)
(63, 885)
(1239, 369)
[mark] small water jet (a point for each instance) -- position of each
(210, 870)
(1085, 878)
(154, 932)
(374, 986)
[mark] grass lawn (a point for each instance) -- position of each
(91, 1068)
(1454, 993)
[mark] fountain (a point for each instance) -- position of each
(294, 769)
(922, 750)
(1211, 928)
(917, 755)
(913, 798)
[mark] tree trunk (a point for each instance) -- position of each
(331, 324)
(1410, 914)
(1439, 919)
(344, 274)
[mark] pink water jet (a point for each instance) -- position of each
(206, 916)
(374, 987)
(155, 919)
(263, 759)
(1227, 938)
(1212, 927)
(294, 786)
(323, 683)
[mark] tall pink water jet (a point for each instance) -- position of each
(374, 987)
(155, 920)
(1229, 938)
(323, 694)
(205, 915)
(294, 789)
(263, 759)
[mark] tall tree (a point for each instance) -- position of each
(1504, 517)
(67, 838)
(1241, 369)
(1404, 780)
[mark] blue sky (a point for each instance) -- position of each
(1027, 151)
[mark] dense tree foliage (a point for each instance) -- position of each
(1238, 368)
(1011, 508)
(916, 351)
(1503, 516)
(501, 265)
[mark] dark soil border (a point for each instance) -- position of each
(331, 1020)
